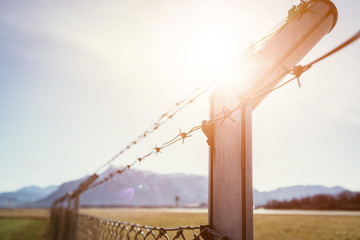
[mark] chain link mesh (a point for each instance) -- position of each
(66, 224)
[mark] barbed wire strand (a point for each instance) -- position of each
(298, 70)
(163, 119)
(226, 113)
(188, 100)
(338, 48)
(296, 10)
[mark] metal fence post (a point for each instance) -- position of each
(230, 171)
(75, 216)
(62, 222)
(230, 139)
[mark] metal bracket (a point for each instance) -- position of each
(209, 234)
(208, 130)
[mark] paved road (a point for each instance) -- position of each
(257, 211)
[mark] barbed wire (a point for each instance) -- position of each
(226, 113)
(181, 105)
(157, 149)
(190, 98)
(297, 71)
(163, 119)
(296, 10)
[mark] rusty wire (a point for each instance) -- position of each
(66, 224)
(297, 71)
(63, 219)
(179, 137)
(163, 119)
(295, 10)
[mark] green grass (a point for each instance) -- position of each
(23, 229)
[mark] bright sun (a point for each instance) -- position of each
(211, 50)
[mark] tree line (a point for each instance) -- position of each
(344, 201)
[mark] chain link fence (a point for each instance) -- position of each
(68, 225)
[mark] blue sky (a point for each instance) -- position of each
(80, 79)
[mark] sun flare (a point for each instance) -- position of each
(211, 50)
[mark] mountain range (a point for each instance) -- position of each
(144, 188)
(25, 196)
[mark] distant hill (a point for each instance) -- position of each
(25, 195)
(144, 188)
(288, 193)
(343, 201)
(139, 188)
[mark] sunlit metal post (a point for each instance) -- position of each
(230, 172)
(230, 136)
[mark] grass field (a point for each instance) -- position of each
(296, 227)
(24, 213)
(150, 217)
(266, 227)
(23, 229)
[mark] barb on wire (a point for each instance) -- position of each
(227, 115)
(184, 135)
(157, 150)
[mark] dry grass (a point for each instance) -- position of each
(150, 217)
(24, 213)
(266, 227)
(309, 227)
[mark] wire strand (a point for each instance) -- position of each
(224, 115)
(338, 48)
(163, 119)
